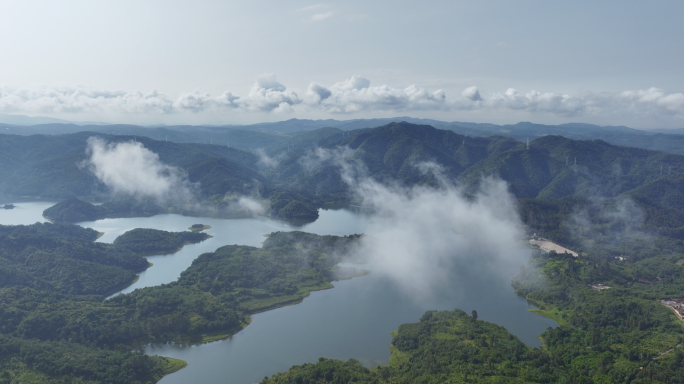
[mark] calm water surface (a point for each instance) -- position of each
(352, 320)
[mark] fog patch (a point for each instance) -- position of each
(131, 169)
(608, 222)
(247, 205)
(423, 236)
(340, 156)
(265, 160)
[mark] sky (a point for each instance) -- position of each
(236, 62)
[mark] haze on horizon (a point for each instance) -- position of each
(212, 62)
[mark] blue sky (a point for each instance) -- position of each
(222, 62)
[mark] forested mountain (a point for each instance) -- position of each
(553, 171)
(31, 167)
(251, 137)
(389, 153)
(298, 178)
(602, 199)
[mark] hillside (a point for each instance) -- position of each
(300, 178)
(56, 325)
(391, 152)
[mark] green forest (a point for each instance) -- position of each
(145, 241)
(621, 208)
(617, 335)
(56, 324)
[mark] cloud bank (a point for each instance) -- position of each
(350, 96)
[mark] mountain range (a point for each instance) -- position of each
(300, 173)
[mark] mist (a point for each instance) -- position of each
(615, 222)
(422, 236)
(265, 160)
(130, 169)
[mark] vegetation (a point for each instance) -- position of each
(199, 227)
(154, 241)
(64, 258)
(602, 200)
(55, 325)
(618, 335)
(300, 182)
(74, 210)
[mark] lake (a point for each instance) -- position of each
(352, 320)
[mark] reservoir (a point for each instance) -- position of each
(352, 320)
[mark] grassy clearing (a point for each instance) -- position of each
(262, 305)
(173, 365)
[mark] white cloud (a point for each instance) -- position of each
(131, 169)
(248, 205)
(321, 16)
(419, 235)
(472, 94)
(81, 99)
(353, 95)
(266, 95)
(265, 160)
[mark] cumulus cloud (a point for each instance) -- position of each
(266, 95)
(81, 99)
(352, 95)
(317, 93)
(133, 170)
(355, 95)
(472, 94)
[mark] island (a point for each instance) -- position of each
(8, 206)
(147, 242)
(199, 227)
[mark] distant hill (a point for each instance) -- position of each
(297, 179)
(31, 120)
(274, 135)
(390, 153)
(48, 167)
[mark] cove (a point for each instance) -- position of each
(352, 320)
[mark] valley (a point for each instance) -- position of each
(429, 201)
